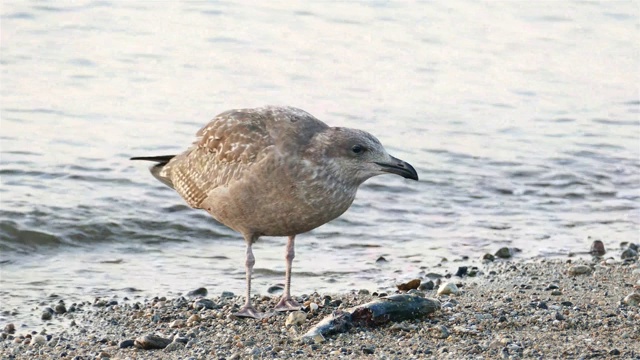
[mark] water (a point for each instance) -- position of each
(521, 119)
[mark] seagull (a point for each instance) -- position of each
(274, 171)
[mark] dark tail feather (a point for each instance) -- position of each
(160, 159)
(155, 169)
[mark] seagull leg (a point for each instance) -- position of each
(286, 303)
(248, 310)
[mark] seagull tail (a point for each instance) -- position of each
(157, 168)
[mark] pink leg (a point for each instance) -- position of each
(248, 310)
(286, 303)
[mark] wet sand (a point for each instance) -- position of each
(564, 308)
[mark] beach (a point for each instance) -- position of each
(579, 307)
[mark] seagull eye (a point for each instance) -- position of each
(357, 149)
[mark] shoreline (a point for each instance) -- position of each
(518, 308)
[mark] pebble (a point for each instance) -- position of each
(462, 271)
(9, 328)
(448, 289)
(174, 346)
(368, 350)
(381, 259)
(275, 289)
(440, 332)
(597, 248)
(412, 284)
(193, 319)
(296, 318)
(38, 340)
(203, 303)
(178, 323)
(313, 307)
(488, 257)
(60, 309)
(152, 342)
(199, 292)
(46, 314)
(580, 270)
(227, 294)
(632, 299)
(504, 253)
(428, 285)
(629, 254)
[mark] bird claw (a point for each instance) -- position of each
(287, 305)
(248, 311)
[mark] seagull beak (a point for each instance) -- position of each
(399, 167)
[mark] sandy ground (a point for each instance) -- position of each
(547, 309)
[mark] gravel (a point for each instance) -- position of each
(510, 309)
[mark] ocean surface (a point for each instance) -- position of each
(521, 118)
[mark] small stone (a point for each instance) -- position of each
(580, 270)
(428, 285)
(9, 328)
(363, 292)
(462, 271)
(488, 257)
(60, 309)
(126, 344)
(559, 316)
(38, 340)
(440, 332)
(234, 356)
(448, 289)
(178, 323)
(227, 294)
(556, 293)
(632, 299)
(199, 292)
(597, 248)
(566, 303)
(614, 352)
(381, 259)
(174, 346)
(552, 287)
(47, 315)
(104, 355)
(313, 307)
(203, 303)
(275, 289)
(412, 284)
(193, 319)
(368, 350)
(629, 254)
(296, 318)
(504, 253)
(152, 342)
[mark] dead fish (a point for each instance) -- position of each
(386, 309)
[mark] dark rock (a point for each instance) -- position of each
(381, 259)
(434, 276)
(504, 253)
(542, 305)
(614, 352)
(552, 287)
(227, 294)
(275, 289)
(60, 309)
(488, 257)
(368, 350)
(502, 318)
(203, 303)
(413, 284)
(566, 303)
(634, 247)
(597, 248)
(429, 285)
(47, 314)
(335, 303)
(126, 344)
(152, 342)
(556, 292)
(199, 292)
(9, 328)
(629, 254)
(462, 271)
(559, 316)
